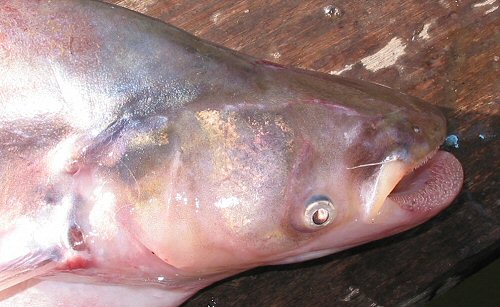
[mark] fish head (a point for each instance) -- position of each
(369, 170)
(372, 169)
(250, 185)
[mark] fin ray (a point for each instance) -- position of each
(26, 267)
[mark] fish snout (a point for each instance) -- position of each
(426, 129)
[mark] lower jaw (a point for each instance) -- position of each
(431, 186)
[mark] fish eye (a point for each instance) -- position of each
(320, 211)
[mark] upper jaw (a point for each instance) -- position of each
(374, 193)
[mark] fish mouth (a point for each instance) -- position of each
(434, 183)
(426, 187)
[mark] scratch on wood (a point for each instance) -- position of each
(386, 56)
(491, 10)
(139, 6)
(344, 69)
(276, 55)
(353, 292)
(215, 17)
(424, 34)
(444, 3)
(486, 2)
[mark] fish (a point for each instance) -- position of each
(140, 164)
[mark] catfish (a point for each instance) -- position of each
(139, 164)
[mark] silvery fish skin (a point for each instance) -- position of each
(139, 164)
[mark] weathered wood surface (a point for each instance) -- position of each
(446, 52)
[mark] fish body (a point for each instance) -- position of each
(139, 164)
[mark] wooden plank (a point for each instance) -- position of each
(446, 52)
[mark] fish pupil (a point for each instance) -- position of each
(320, 216)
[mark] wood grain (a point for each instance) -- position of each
(446, 52)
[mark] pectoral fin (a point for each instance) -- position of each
(23, 267)
(28, 250)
